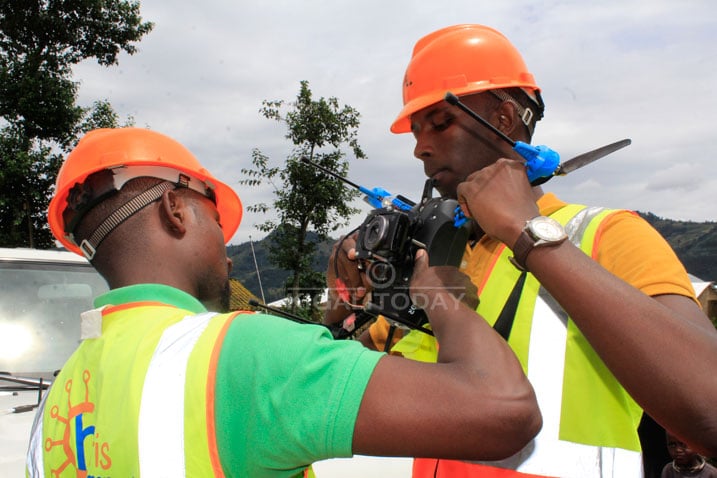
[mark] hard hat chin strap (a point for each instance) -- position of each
(131, 207)
(102, 184)
(526, 114)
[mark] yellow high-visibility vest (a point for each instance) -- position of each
(589, 420)
(141, 403)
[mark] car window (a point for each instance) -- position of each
(40, 306)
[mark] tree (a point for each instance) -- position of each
(40, 42)
(28, 173)
(306, 198)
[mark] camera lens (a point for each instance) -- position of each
(375, 233)
(381, 274)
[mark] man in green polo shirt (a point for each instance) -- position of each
(160, 386)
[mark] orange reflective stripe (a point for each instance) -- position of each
(211, 382)
(131, 305)
(598, 234)
(433, 468)
(487, 275)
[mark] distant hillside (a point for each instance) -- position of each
(272, 278)
(694, 242)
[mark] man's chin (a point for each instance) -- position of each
(447, 193)
(222, 303)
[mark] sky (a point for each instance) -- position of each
(608, 70)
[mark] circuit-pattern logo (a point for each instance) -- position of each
(74, 450)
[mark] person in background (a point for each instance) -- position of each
(685, 461)
(593, 301)
(162, 386)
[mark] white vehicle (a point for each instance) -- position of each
(42, 294)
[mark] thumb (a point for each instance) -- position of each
(421, 260)
(464, 207)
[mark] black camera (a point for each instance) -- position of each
(388, 240)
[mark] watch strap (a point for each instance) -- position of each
(521, 249)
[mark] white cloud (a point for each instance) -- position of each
(682, 177)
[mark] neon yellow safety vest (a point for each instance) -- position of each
(131, 408)
(589, 421)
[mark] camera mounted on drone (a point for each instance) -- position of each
(389, 238)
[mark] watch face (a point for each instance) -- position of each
(546, 228)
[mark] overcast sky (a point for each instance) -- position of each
(608, 70)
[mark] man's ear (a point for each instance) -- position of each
(173, 208)
(507, 118)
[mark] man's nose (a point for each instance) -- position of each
(422, 150)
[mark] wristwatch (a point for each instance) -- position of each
(541, 231)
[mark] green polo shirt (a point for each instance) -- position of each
(286, 394)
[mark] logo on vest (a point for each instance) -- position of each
(83, 449)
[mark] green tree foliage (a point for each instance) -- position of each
(306, 199)
(40, 42)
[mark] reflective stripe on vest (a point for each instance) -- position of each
(162, 411)
(125, 401)
(589, 420)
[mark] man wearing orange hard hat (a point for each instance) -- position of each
(594, 303)
(162, 386)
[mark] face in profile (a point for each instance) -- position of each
(212, 264)
(451, 144)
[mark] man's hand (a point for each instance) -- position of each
(426, 280)
(500, 199)
(346, 280)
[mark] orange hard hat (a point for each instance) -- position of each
(462, 59)
(127, 153)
